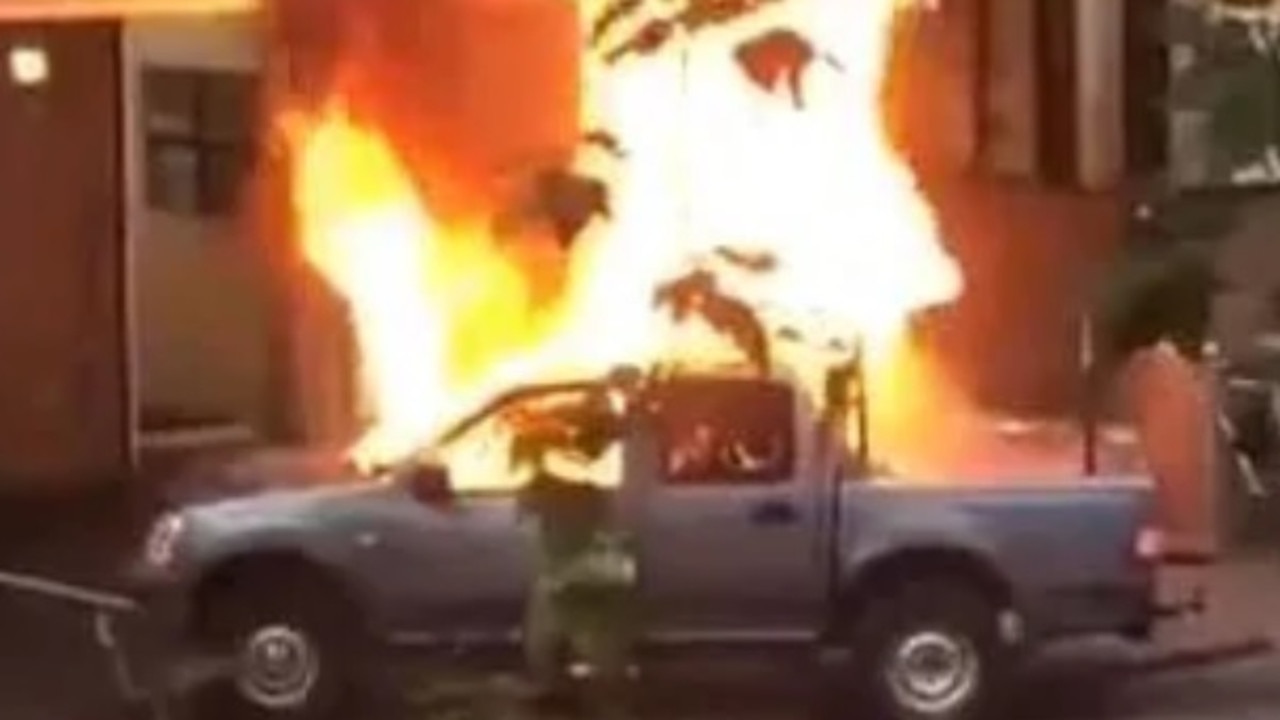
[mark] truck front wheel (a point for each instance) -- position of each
(927, 651)
(290, 647)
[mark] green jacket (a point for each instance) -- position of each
(581, 553)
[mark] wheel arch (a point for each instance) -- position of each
(891, 570)
(234, 572)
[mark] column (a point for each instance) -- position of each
(1099, 37)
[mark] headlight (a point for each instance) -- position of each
(163, 539)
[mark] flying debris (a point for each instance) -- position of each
(699, 14)
(614, 12)
(780, 56)
(698, 293)
(655, 33)
(570, 201)
(649, 39)
(606, 141)
(751, 261)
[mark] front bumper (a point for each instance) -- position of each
(155, 650)
(163, 597)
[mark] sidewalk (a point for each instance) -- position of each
(82, 538)
(1240, 595)
(50, 667)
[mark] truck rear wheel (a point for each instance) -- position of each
(928, 651)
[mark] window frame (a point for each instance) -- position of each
(215, 145)
(733, 390)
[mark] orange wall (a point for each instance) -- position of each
(1031, 258)
(1029, 251)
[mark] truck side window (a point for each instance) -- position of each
(726, 433)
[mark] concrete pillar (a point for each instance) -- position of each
(1099, 38)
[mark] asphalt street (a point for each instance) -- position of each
(50, 670)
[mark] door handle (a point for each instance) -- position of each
(774, 512)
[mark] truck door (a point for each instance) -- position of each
(727, 532)
(477, 557)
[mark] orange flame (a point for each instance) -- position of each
(446, 314)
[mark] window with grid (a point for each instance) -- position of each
(199, 138)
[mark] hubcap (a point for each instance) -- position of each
(278, 667)
(933, 673)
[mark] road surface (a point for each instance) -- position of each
(49, 669)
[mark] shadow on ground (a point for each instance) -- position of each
(50, 666)
(1074, 687)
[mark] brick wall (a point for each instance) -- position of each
(1030, 257)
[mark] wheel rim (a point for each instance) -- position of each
(278, 667)
(933, 673)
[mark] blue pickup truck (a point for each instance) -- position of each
(933, 593)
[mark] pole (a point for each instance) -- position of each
(861, 403)
(1088, 405)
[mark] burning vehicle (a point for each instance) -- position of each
(736, 222)
(757, 529)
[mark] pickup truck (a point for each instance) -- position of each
(931, 593)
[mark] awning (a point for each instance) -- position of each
(33, 10)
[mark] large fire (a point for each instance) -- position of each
(449, 311)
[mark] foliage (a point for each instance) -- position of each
(1227, 68)
(1226, 59)
(1162, 285)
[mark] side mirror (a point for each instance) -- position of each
(429, 484)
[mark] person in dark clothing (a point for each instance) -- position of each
(580, 607)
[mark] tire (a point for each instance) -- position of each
(292, 646)
(941, 622)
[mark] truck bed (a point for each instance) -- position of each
(992, 449)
